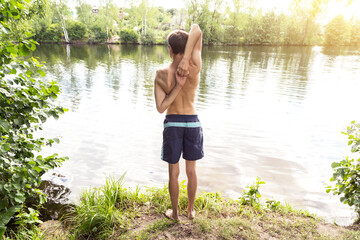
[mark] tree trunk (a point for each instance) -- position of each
(107, 34)
(145, 21)
(63, 25)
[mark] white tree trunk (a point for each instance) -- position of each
(107, 34)
(145, 21)
(63, 24)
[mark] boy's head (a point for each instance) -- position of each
(177, 41)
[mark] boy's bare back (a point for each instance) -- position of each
(176, 85)
(184, 101)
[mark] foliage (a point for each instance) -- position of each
(76, 30)
(235, 24)
(292, 32)
(337, 31)
(101, 209)
(264, 30)
(272, 204)
(84, 12)
(347, 172)
(53, 33)
(128, 36)
(147, 38)
(206, 14)
(97, 33)
(355, 33)
(209, 202)
(230, 22)
(26, 102)
(252, 196)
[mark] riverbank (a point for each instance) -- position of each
(118, 42)
(115, 212)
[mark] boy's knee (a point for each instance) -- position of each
(190, 171)
(174, 174)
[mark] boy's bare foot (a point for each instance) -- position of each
(169, 213)
(191, 214)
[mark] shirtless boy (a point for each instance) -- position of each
(175, 88)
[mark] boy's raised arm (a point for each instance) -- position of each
(192, 51)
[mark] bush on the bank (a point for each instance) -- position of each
(128, 36)
(232, 35)
(148, 38)
(25, 103)
(355, 33)
(337, 31)
(97, 33)
(53, 33)
(347, 172)
(76, 30)
(163, 37)
(293, 33)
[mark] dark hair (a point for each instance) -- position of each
(177, 40)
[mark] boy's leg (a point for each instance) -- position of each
(174, 172)
(191, 187)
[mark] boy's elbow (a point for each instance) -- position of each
(160, 109)
(196, 28)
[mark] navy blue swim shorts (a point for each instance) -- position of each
(182, 134)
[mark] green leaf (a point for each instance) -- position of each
(37, 169)
(5, 215)
(335, 165)
(20, 197)
(5, 147)
(41, 72)
(4, 203)
(17, 186)
(33, 47)
(4, 29)
(28, 34)
(12, 49)
(4, 125)
(29, 73)
(23, 50)
(2, 230)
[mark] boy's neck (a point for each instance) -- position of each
(176, 59)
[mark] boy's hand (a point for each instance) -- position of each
(183, 68)
(180, 80)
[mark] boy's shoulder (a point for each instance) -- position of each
(161, 74)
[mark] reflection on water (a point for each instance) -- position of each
(273, 112)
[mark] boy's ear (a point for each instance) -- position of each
(170, 49)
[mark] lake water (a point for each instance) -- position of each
(272, 112)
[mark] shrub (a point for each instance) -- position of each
(337, 31)
(76, 30)
(128, 36)
(53, 33)
(347, 172)
(97, 33)
(25, 103)
(148, 38)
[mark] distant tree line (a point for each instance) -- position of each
(140, 23)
